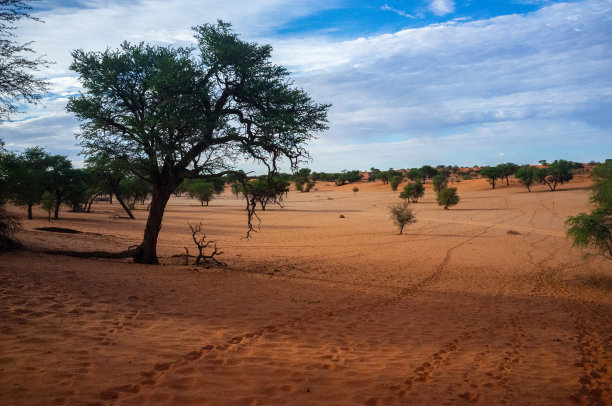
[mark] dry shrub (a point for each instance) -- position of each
(402, 215)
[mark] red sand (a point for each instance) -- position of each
(315, 309)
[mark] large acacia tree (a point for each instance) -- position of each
(177, 113)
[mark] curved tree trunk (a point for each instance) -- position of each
(91, 200)
(146, 253)
(125, 208)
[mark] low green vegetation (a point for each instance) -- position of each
(339, 179)
(595, 229)
(303, 181)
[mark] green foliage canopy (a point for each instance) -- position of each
(595, 229)
(491, 173)
(526, 175)
(557, 173)
(447, 197)
(439, 182)
(413, 191)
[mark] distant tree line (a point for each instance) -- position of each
(551, 175)
(35, 177)
(339, 179)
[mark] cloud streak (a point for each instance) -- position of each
(386, 7)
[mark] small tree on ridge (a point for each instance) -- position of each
(402, 215)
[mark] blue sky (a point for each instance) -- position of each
(411, 82)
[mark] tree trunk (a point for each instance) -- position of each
(528, 189)
(29, 211)
(58, 202)
(493, 183)
(146, 253)
(94, 197)
(127, 209)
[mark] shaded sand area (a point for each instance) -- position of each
(486, 303)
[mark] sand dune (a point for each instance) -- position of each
(486, 303)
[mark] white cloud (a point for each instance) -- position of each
(442, 7)
(536, 83)
(523, 142)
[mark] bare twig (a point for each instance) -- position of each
(199, 238)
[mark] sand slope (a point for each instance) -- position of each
(316, 309)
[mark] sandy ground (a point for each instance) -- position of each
(486, 303)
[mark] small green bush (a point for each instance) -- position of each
(447, 197)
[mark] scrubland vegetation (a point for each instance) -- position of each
(485, 303)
